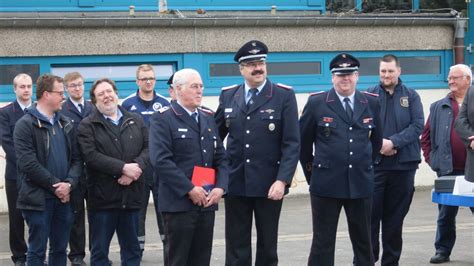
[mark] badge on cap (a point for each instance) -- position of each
(271, 126)
(404, 101)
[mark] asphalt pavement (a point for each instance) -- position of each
(295, 236)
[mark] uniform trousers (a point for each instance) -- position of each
(393, 193)
(325, 213)
(16, 223)
(239, 212)
(189, 237)
(77, 238)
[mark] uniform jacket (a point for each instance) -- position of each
(464, 126)
(70, 110)
(133, 104)
(437, 144)
(344, 150)
(32, 145)
(409, 120)
(177, 144)
(263, 142)
(9, 115)
(105, 155)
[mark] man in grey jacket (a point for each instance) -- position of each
(444, 151)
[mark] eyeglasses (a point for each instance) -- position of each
(254, 64)
(146, 79)
(455, 77)
(60, 93)
(75, 85)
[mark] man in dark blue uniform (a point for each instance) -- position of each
(9, 115)
(402, 115)
(184, 141)
(344, 127)
(146, 102)
(260, 120)
(76, 108)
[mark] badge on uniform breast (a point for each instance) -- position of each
(404, 101)
(271, 126)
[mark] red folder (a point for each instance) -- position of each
(204, 177)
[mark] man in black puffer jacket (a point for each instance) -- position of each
(114, 145)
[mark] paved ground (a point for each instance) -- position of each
(295, 236)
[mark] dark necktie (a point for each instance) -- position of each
(253, 96)
(81, 108)
(195, 117)
(348, 108)
(24, 110)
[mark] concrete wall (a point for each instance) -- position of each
(424, 176)
(108, 41)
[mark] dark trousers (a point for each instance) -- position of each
(239, 212)
(77, 238)
(189, 236)
(325, 213)
(102, 226)
(16, 223)
(149, 187)
(54, 223)
(393, 193)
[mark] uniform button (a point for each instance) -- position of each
(248, 160)
(124, 206)
(278, 162)
(350, 165)
(350, 153)
(116, 139)
(202, 138)
(183, 136)
(350, 128)
(370, 126)
(319, 165)
(204, 151)
(246, 145)
(205, 164)
(271, 117)
(247, 131)
(350, 140)
(327, 124)
(248, 117)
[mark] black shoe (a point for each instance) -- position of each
(20, 263)
(78, 262)
(439, 258)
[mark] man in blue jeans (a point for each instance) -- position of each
(449, 156)
(49, 168)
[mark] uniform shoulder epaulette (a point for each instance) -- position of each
(316, 93)
(371, 93)
(163, 109)
(229, 87)
(206, 110)
(286, 87)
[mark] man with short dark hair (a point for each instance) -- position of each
(145, 102)
(260, 120)
(76, 108)
(49, 169)
(9, 115)
(396, 163)
(189, 160)
(343, 127)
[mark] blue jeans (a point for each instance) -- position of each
(54, 223)
(103, 224)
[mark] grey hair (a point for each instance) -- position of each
(465, 69)
(181, 77)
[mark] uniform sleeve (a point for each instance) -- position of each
(376, 137)
(221, 164)
(220, 119)
(6, 135)
(161, 156)
(411, 133)
(27, 163)
(464, 127)
(93, 158)
(290, 142)
(307, 125)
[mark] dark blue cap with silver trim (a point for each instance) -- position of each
(344, 64)
(251, 51)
